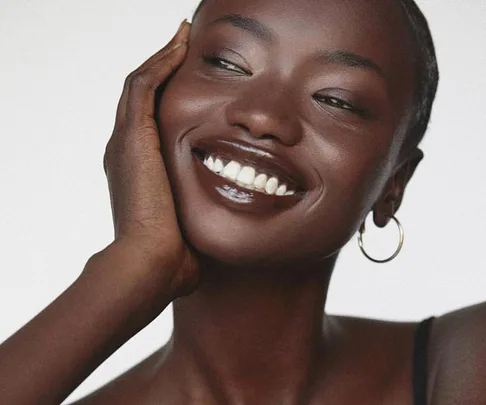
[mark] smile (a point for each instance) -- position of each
(246, 178)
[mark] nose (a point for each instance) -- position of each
(266, 113)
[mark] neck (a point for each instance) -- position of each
(250, 336)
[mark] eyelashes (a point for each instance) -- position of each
(215, 60)
(341, 104)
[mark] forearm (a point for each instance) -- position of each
(50, 356)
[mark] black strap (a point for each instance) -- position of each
(420, 362)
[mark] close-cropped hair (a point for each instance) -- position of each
(426, 71)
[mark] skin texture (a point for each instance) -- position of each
(248, 289)
(349, 160)
(254, 331)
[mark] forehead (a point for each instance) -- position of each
(382, 17)
(374, 29)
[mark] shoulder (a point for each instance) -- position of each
(379, 352)
(128, 388)
(456, 354)
(382, 352)
(390, 339)
(457, 357)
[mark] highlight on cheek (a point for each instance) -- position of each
(238, 169)
(227, 63)
(296, 95)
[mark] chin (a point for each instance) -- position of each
(229, 221)
(230, 238)
(241, 201)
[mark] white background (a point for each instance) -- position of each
(62, 66)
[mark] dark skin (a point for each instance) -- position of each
(249, 288)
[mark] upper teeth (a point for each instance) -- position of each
(247, 176)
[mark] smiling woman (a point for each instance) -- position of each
(311, 101)
(245, 155)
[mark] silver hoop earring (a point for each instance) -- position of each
(397, 251)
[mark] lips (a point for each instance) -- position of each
(248, 155)
(247, 178)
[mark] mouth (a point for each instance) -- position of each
(247, 178)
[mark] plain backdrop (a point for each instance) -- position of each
(62, 66)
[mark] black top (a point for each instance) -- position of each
(420, 362)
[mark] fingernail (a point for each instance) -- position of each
(181, 26)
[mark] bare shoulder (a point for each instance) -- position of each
(457, 357)
(371, 361)
(380, 353)
(128, 388)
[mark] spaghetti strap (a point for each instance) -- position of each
(419, 375)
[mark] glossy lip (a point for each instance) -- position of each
(229, 194)
(260, 159)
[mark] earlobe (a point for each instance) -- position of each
(383, 212)
(392, 196)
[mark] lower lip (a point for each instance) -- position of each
(225, 192)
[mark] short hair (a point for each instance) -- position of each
(427, 71)
(198, 9)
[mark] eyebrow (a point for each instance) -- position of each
(266, 34)
(254, 27)
(350, 59)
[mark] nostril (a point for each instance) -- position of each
(243, 127)
(266, 122)
(257, 134)
(268, 136)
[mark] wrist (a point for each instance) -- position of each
(130, 277)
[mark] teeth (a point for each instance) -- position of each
(281, 190)
(260, 181)
(231, 170)
(248, 186)
(209, 162)
(218, 166)
(247, 177)
(271, 186)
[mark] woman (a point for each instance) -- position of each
(328, 116)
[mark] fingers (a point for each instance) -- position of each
(137, 100)
(143, 84)
(179, 37)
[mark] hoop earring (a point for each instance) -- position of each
(397, 251)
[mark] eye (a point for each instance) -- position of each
(217, 61)
(337, 103)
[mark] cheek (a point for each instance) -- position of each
(188, 102)
(180, 107)
(353, 176)
(350, 173)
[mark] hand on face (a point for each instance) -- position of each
(315, 107)
(142, 202)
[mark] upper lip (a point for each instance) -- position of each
(257, 157)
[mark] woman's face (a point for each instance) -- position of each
(313, 93)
